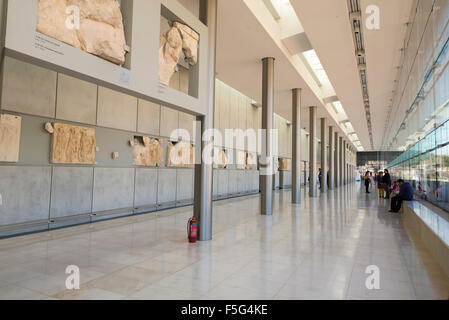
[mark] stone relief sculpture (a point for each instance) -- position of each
(94, 26)
(180, 154)
(285, 164)
(180, 38)
(72, 144)
(241, 160)
(10, 128)
(251, 160)
(148, 152)
(220, 158)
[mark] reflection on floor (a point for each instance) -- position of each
(317, 250)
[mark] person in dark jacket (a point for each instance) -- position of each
(386, 181)
(405, 194)
(367, 179)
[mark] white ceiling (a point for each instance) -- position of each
(242, 42)
(327, 25)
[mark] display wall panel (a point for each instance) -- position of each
(25, 194)
(215, 184)
(184, 185)
(223, 182)
(34, 142)
(225, 113)
(146, 187)
(71, 191)
(113, 189)
(76, 100)
(217, 142)
(110, 141)
(28, 88)
(242, 111)
(169, 121)
(242, 182)
(187, 123)
(166, 186)
(254, 180)
(116, 110)
(233, 182)
(139, 76)
(149, 116)
(234, 106)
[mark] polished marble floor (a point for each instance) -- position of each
(317, 250)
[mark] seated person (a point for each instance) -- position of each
(395, 188)
(405, 194)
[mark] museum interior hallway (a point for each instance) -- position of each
(317, 250)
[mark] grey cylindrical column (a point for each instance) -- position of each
(331, 158)
(344, 162)
(337, 161)
(296, 146)
(267, 165)
(324, 171)
(203, 168)
(312, 153)
(340, 160)
(305, 173)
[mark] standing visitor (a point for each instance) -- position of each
(367, 180)
(320, 176)
(380, 185)
(387, 183)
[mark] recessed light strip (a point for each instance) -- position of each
(355, 17)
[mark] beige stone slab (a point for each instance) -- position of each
(96, 27)
(180, 154)
(10, 128)
(73, 144)
(148, 152)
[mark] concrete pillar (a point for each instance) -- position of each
(203, 167)
(344, 163)
(324, 134)
(312, 153)
(305, 173)
(267, 160)
(331, 158)
(340, 160)
(336, 161)
(296, 146)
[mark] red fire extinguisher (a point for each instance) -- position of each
(192, 229)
